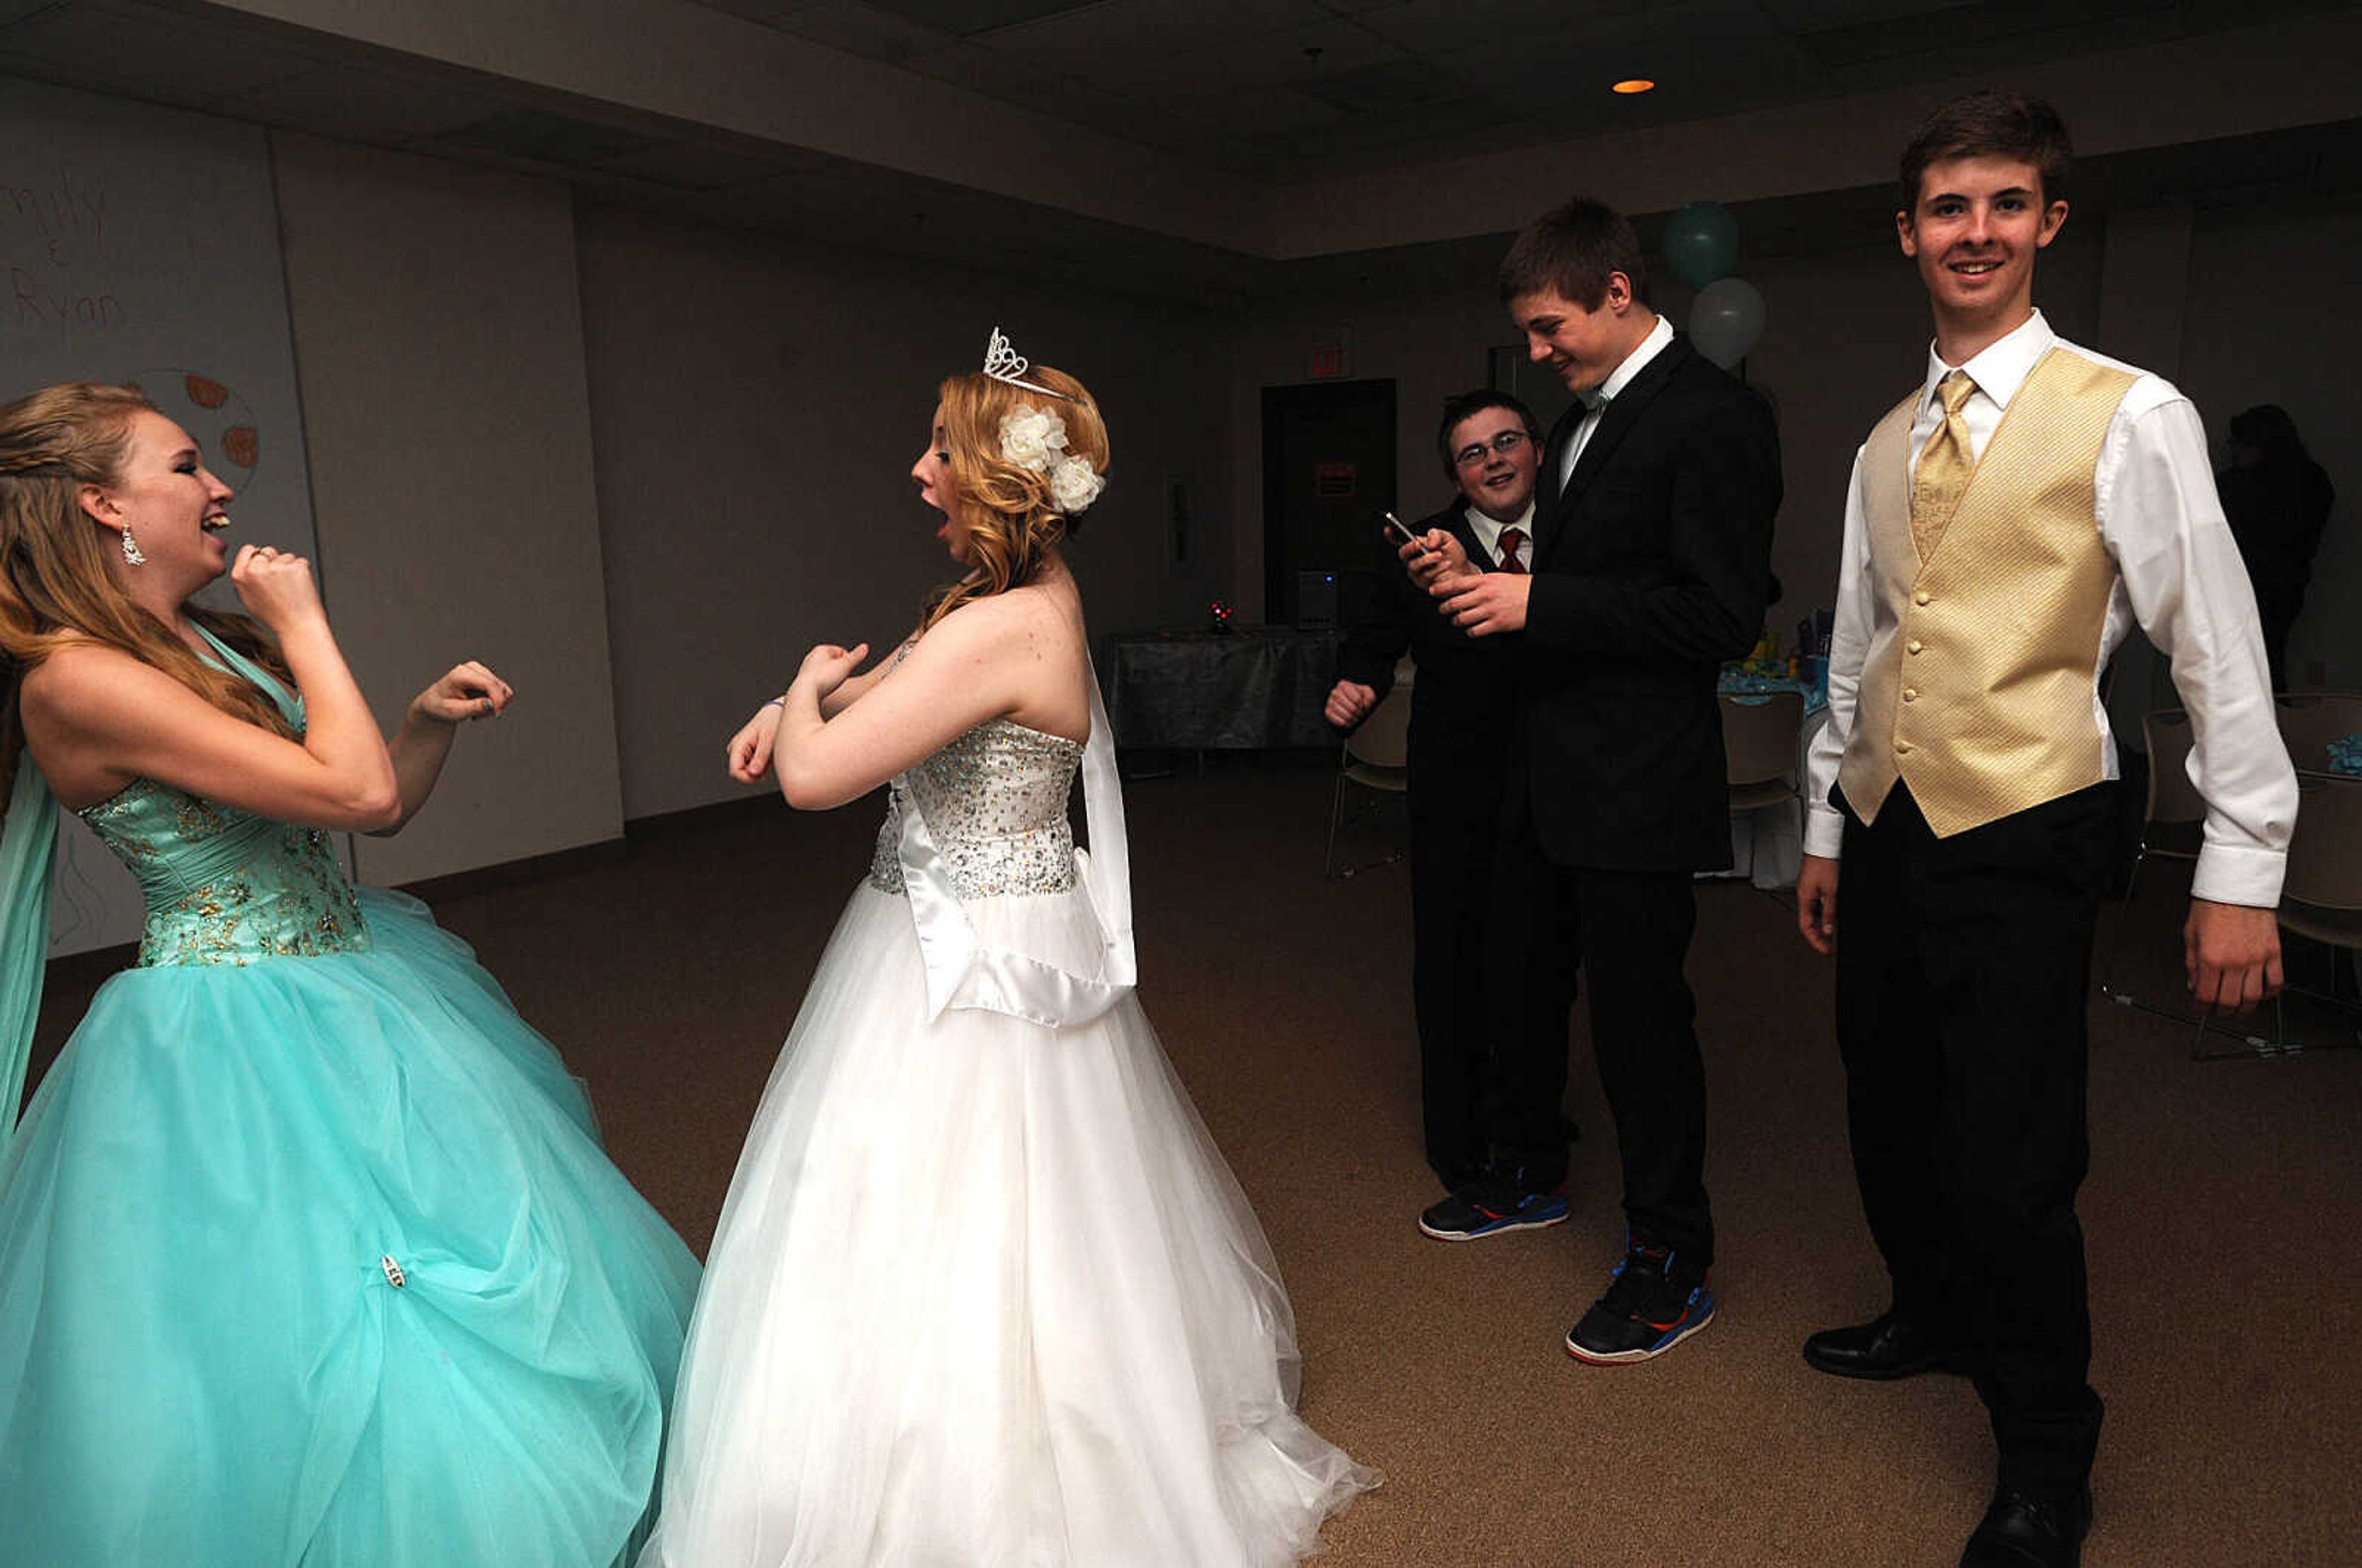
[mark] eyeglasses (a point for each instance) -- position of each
(1508, 441)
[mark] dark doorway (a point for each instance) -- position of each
(1328, 472)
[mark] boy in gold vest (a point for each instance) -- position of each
(2007, 523)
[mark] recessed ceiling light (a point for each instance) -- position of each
(1634, 84)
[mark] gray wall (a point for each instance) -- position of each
(757, 405)
(438, 341)
(2272, 317)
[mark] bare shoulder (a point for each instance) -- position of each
(81, 683)
(1031, 620)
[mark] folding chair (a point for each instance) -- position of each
(1374, 757)
(2172, 828)
(1759, 744)
(2321, 897)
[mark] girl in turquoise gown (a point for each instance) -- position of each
(309, 1252)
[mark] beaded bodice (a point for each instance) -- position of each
(225, 886)
(995, 802)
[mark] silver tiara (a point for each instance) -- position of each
(1003, 363)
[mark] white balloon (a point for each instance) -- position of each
(1726, 320)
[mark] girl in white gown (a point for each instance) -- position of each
(984, 1292)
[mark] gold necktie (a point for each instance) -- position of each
(1942, 475)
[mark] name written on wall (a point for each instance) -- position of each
(53, 243)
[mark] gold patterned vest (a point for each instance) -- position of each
(1976, 688)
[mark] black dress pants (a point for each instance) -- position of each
(1963, 973)
(1629, 932)
(1454, 830)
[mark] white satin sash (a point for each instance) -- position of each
(963, 973)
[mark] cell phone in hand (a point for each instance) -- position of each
(1395, 527)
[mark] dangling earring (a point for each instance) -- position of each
(131, 555)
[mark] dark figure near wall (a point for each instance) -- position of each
(2277, 500)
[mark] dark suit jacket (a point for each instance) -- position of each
(1463, 706)
(1649, 571)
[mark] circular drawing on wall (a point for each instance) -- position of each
(221, 422)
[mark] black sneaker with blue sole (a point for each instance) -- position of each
(1493, 1206)
(1654, 1302)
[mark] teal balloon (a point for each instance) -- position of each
(1726, 320)
(1700, 243)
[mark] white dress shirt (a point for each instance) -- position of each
(1488, 532)
(1598, 398)
(2177, 575)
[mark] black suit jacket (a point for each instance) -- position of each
(1649, 571)
(1463, 706)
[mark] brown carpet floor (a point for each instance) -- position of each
(2222, 1211)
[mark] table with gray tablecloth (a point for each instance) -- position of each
(1257, 688)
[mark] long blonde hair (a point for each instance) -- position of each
(1004, 509)
(55, 584)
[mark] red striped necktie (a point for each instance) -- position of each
(1512, 541)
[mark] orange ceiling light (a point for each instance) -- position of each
(1631, 84)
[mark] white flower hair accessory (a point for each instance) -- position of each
(1037, 439)
(1073, 486)
(1029, 435)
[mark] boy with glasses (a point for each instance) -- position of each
(1463, 709)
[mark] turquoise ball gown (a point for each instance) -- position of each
(309, 1251)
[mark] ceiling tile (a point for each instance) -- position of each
(1124, 34)
(191, 57)
(966, 18)
(540, 137)
(696, 164)
(1385, 89)
(1586, 70)
(978, 69)
(366, 105)
(1266, 112)
(861, 30)
(1817, 16)
(1422, 123)
(1968, 25)
(1303, 58)
(1506, 26)
(753, 10)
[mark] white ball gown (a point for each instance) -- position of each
(984, 1292)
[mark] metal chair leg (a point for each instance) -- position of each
(1336, 809)
(2114, 954)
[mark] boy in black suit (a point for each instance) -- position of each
(1463, 710)
(1652, 534)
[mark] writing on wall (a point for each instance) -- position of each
(53, 246)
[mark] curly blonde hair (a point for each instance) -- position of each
(1003, 510)
(56, 586)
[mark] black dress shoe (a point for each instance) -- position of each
(2024, 1532)
(1889, 1346)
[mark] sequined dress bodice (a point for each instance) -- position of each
(226, 886)
(223, 885)
(995, 802)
